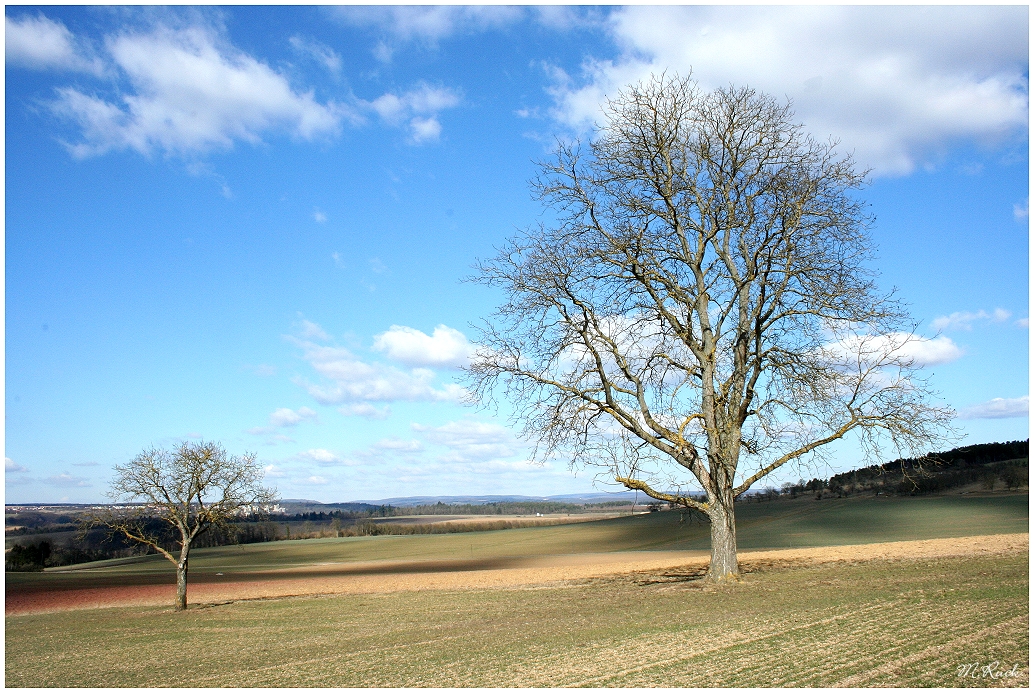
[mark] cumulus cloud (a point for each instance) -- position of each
(320, 456)
(897, 346)
(998, 408)
(289, 417)
(185, 90)
(40, 43)
(416, 109)
(444, 347)
(355, 381)
(191, 92)
(10, 466)
(964, 320)
(896, 85)
(931, 352)
(283, 417)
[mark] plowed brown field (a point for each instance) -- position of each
(386, 576)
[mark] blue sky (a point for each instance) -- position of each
(250, 225)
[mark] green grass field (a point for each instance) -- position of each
(902, 622)
(782, 524)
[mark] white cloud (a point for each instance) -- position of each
(10, 466)
(894, 347)
(281, 418)
(1021, 211)
(425, 129)
(40, 43)
(444, 347)
(310, 330)
(355, 381)
(273, 472)
(963, 320)
(67, 481)
(398, 445)
(365, 410)
(319, 217)
(418, 108)
(324, 55)
(931, 352)
(1000, 315)
(191, 92)
(320, 455)
(316, 481)
(1023, 322)
(998, 408)
(288, 417)
(430, 23)
(470, 441)
(896, 85)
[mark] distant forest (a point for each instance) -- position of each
(991, 465)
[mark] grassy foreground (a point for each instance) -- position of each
(902, 623)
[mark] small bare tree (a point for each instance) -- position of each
(702, 310)
(191, 489)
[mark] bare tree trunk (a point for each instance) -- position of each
(724, 564)
(181, 581)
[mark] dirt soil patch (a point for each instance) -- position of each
(523, 572)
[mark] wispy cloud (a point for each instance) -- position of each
(963, 320)
(322, 54)
(67, 481)
(352, 380)
(471, 441)
(310, 330)
(429, 23)
(365, 410)
(1021, 211)
(998, 408)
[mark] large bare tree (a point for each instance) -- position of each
(702, 308)
(190, 489)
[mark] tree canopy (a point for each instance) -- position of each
(192, 488)
(703, 308)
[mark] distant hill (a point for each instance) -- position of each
(988, 466)
(579, 498)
